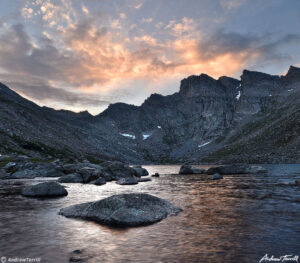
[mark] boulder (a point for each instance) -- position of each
(139, 171)
(125, 210)
(71, 178)
(136, 166)
(47, 170)
(47, 189)
(107, 176)
(118, 169)
(9, 166)
(69, 168)
(188, 169)
(89, 174)
(297, 182)
(236, 169)
(23, 174)
(41, 170)
(100, 181)
(128, 181)
(217, 177)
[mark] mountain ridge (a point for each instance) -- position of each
(195, 124)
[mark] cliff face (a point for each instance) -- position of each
(255, 119)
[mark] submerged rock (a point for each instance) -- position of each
(188, 169)
(47, 189)
(236, 169)
(217, 177)
(123, 210)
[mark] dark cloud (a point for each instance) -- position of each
(267, 46)
(222, 42)
(43, 92)
(19, 55)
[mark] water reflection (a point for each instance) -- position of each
(237, 219)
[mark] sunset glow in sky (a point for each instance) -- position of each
(82, 55)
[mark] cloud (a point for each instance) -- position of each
(84, 59)
(138, 6)
(122, 15)
(27, 12)
(40, 91)
(147, 20)
(85, 10)
(232, 4)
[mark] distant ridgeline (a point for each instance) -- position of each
(255, 120)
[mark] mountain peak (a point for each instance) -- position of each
(293, 74)
(197, 85)
(254, 77)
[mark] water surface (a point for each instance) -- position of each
(238, 219)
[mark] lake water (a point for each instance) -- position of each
(238, 219)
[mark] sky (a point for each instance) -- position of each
(86, 54)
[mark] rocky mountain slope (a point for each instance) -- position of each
(255, 120)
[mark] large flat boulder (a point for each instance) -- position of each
(125, 210)
(47, 189)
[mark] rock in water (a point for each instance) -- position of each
(140, 171)
(100, 181)
(217, 177)
(47, 189)
(125, 210)
(237, 169)
(297, 182)
(71, 178)
(188, 169)
(128, 181)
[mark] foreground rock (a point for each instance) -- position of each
(236, 169)
(123, 210)
(188, 169)
(47, 189)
